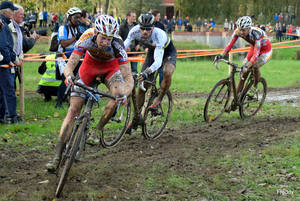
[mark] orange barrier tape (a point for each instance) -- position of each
(180, 53)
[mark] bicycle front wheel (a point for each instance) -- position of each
(217, 101)
(71, 152)
(250, 105)
(115, 129)
(156, 121)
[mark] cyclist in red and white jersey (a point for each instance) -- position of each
(161, 52)
(105, 57)
(259, 54)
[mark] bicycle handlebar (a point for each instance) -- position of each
(235, 66)
(91, 89)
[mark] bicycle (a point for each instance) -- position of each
(219, 96)
(153, 122)
(110, 135)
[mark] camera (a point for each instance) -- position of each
(27, 31)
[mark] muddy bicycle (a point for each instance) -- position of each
(153, 121)
(219, 97)
(110, 136)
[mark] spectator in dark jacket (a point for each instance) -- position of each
(185, 22)
(170, 27)
(7, 91)
(125, 27)
(157, 23)
(189, 27)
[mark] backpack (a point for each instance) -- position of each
(54, 38)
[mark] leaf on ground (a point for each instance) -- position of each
(44, 182)
(56, 114)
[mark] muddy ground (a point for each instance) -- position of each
(112, 174)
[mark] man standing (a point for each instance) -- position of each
(84, 23)
(157, 22)
(179, 23)
(17, 35)
(185, 22)
(173, 23)
(125, 27)
(60, 17)
(199, 24)
(41, 18)
(7, 91)
(165, 22)
(45, 18)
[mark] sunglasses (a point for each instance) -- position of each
(147, 29)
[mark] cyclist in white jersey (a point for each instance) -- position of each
(161, 52)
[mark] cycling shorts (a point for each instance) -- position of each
(90, 69)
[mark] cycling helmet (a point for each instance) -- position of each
(73, 11)
(106, 25)
(244, 22)
(146, 20)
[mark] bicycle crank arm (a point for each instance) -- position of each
(152, 119)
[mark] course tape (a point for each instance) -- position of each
(180, 53)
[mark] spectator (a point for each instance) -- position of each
(263, 27)
(189, 27)
(67, 36)
(45, 18)
(17, 35)
(286, 18)
(291, 31)
(28, 43)
(199, 24)
(157, 23)
(173, 23)
(276, 31)
(55, 18)
(252, 17)
(276, 17)
(50, 19)
(179, 23)
(284, 31)
(212, 24)
(60, 17)
(231, 25)
(280, 18)
(84, 23)
(48, 85)
(185, 22)
(279, 32)
(7, 93)
(41, 18)
(36, 17)
(226, 25)
(205, 23)
(125, 27)
(170, 28)
(165, 22)
(293, 17)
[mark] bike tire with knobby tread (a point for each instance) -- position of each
(217, 100)
(156, 122)
(250, 106)
(113, 132)
(78, 133)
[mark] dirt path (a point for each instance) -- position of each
(112, 174)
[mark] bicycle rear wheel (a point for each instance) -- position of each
(69, 157)
(251, 105)
(156, 121)
(217, 101)
(113, 132)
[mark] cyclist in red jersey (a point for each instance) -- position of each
(106, 58)
(259, 54)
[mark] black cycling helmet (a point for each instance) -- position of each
(146, 20)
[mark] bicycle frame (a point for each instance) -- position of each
(139, 114)
(233, 70)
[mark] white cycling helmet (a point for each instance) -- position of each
(73, 11)
(244, 22)
(106, 25)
